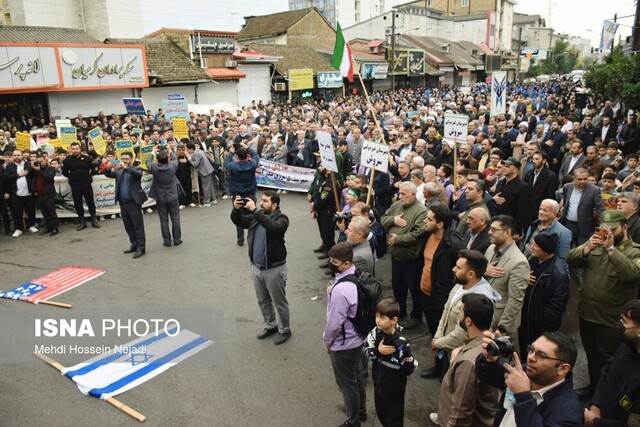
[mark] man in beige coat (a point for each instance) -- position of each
(508, 273)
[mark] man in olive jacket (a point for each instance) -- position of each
(611, 262)
(404, 223)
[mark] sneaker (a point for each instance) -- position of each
(33, 229)
(17, 233)
(282, 338)
(181, 207)
(114, 216)
(206, 205)
(102, 218)
(434, 418)
(225, 197)
(149, 210)
(279, 191)
(215, 202)
(192, 205)
(284, 192)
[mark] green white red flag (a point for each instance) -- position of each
(342, 56)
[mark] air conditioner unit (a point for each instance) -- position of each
(388, 31)
(280, 87)
(474, 52)
(445, 48)
(231, 64)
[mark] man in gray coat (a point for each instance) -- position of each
(357, 233)
(200, 161)
(164, 190)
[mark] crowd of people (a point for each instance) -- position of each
(484, 235)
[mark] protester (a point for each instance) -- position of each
(166, 190)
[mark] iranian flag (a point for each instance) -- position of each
(342, 57)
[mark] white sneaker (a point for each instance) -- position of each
(149, 210)
(215, 202)
(114, 216)
(434, 418)
(279, 191)
(206, 205)
(103, 218)
(33, 229)
(181, 207)
(17, 233)
(225, 197)
(284, 192)
(192, 205)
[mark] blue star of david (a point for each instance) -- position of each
(135, 356)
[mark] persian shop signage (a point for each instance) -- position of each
(209, 44)
(80, 67)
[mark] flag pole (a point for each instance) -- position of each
(335, 190)
(55, 304)
(124, 408)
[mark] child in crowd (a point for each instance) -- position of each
(391, 366)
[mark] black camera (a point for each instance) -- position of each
(245, 200)
(343, 216)
(501, 346)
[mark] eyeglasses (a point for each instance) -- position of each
(542, 356)
(495, 230)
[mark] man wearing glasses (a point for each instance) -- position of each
(539, 392)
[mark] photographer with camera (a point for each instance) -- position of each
(268, 256)
(241, 163)
(538, 393)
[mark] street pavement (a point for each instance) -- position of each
(239, 380)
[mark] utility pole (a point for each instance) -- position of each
(519, 53)
(393, 50)
(634, 31)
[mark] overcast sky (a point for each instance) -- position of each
(574, 17)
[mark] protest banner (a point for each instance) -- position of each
(137, 131)
(456, 127)
(375, 156)
(175, 108)
(134, 106)
(68, 135)
(55, 143)
(23, 141)
(122, 146)
(145, 152)
(498, 92)
(284, 177)
(180, 129)
(327, 154)
(99, 144)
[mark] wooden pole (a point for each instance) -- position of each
(370, 189)
(455, 164)
(124, 408)
(366, 94)
(55, 304)
(335, 190)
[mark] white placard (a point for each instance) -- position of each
(498, 93)
(375, 156)
(327, 155)
(456, 127)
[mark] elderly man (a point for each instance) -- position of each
(477, 235)
(581, 206)
(474, 194)
(611, 262)
(403, 222)
(357, 233)
(547, 223)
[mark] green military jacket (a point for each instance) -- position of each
(610, 279)
(408, 243)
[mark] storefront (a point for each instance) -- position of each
(46, 80)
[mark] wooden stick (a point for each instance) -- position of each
(55, 304)
(124, 408)
(373, 176)
(335, 190)
(455, 164)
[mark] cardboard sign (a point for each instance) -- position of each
(327, 155)
(375, 156)
(123, 146)
(456, 127)
(145, 152)
(180, 129)
(23, 141)
(68, 135)
(99, 143)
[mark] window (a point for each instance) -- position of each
(429, 3)
(464, 3)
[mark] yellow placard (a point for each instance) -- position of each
(99, 143)
(68, 135)
(123, 146)
(55, 142)
(301, 79)
(23, 141)
(145, 152)
(180, 129)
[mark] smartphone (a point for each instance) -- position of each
(601, 232)
(115, 162)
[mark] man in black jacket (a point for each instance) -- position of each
(19, 190)
(43, 177)
(79, 168)
(513, 197)
(547, 295)
(130, 196)
(617, 398)
(540, 392)
(542, 181)
(268, 256)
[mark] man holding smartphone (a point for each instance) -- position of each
(241, 163)
(268, 255)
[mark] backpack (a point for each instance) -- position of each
(381, 239)
(369, 295)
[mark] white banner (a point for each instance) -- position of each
(284, 177)
(498, 92)
(375, 156)
(456, 127)
(327, 155)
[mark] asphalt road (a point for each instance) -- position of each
(239, 380)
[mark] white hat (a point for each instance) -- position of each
(255, 126)
(357, 111)
(523, 124)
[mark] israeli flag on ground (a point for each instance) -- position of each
(133, 363)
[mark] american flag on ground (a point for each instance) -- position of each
(135, 362)
(52, 284)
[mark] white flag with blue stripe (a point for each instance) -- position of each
(131, 364)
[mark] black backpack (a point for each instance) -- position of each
(369, 295)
